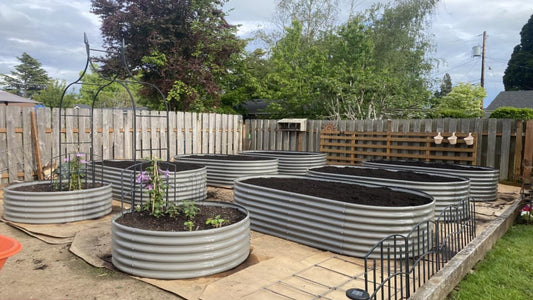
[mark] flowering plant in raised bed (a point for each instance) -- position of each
(73, 170)
(153, 179)
(526, 213)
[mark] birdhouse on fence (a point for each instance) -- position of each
(292, 124)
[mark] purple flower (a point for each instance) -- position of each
(143, 177)
(83, 161)
(149, 186)
(79, 154)
(165, 173)
(66, 159)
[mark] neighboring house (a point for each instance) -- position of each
(12, 99)
(518, 99)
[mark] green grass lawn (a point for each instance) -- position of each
(506, 272)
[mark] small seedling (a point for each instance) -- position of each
(189, 225)
(216, 222)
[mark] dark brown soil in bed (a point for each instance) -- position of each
(174, 165)
(227, 157)
(389, 174)
(345, 192)
(416, 163)
(143, 220)
(50, 187)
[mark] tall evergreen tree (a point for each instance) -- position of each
(519, 72)
(28, 78)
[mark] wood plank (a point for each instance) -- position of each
(107, 137)
(223, 131)
(238, 135)
(180, 133)
(528, 150)
(491, 140)
(517, 164)
(117, 137)
(212, 132)
(172, 135)
(27, 145)
(205, 133)
(130, 135)
(84, 130)
(505, 148)
(14, 142)
(187, 126)
(4, 159)
(231, 131)
(164, 141)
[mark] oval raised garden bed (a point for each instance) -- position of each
(446, 190)
(345, 218)
(293, 162)
(38, 203)
(222, 170)
(483, 180)
(166, 254)
(187, 182)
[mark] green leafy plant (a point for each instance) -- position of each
(190, 210)
(72, 170)
(216, 222)
(153, 179)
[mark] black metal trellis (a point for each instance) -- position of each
(75, 144)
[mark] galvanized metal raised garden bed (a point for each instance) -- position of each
(446, 189)
(483, 180)
(293, 162)
(345, 228)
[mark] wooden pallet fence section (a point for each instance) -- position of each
(113, 136)
(500, 142)
(352, 147)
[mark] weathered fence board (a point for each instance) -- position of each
(113, 135)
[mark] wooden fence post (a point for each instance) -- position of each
(528, 150)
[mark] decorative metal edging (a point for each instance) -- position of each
(444, 193)
(222, 173)
(180, 254)
(483, 180)
(344, 228)
(292, 162)
(57, 206)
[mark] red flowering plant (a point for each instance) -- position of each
(526, 213)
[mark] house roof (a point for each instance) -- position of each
(518, 99)
(12, 98)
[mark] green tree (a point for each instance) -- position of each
(178, 45)
(463, 101)
(28, 78)
(112, 94)
(519, 72)
(445, 86)
(51, 95)
(400, 53)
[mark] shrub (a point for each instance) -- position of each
(508, 112)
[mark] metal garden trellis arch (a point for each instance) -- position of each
(124, 82)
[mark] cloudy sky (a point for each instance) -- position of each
(52, 32)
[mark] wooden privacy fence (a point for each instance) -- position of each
(500, 143)
(351, 147)
(189, 133)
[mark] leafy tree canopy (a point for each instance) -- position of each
(50, 96)
(463, 101)
(183, 47)
(28, 78)
(106, 93)
(519, 72)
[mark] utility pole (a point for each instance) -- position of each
(483, 59)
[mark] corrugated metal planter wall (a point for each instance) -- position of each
(483, 180)
(189, 185)
(445, 193)
(222, 172)
(180, 254)
(345, 228)
(57, 206)
(293, 162)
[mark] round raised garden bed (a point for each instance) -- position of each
(345, 218)
(38, 203)
(483, 180)
(446, 189)
(166, 254)
(222, 170)
(293, 162)
(187, 182)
